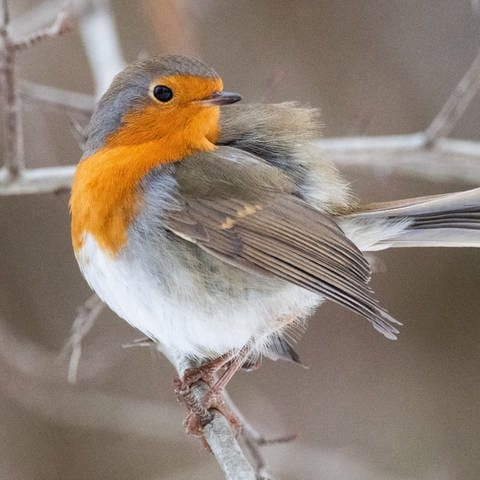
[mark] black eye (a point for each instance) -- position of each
(162, 93)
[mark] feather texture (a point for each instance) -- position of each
(266, 228)
(445, 220)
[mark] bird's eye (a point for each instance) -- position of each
(162, 93)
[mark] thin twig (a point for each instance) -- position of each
(35, 18)
(62, 24)
(87, 314)
(217, 432)
(79, 131)
(101, 42)
(13, 136)
(36, 180)
(455, 106)
(450, 159)
(400, 154)
(13, 149)
(254, 441)
(94, 410)
(39, 364)
(57, 98)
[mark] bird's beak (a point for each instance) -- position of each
(219, 98)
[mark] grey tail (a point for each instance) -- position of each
(279, 349)
(446, 220)
(276, 349)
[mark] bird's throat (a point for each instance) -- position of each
(105, 195)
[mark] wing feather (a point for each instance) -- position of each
(281, 235)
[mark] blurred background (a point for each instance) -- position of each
(366, 408)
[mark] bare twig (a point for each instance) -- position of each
(40, 364)
(101, 42)
(218, 432)
(36, 180)
(57, 98)
(79, 131)
(406, 154)
(13, 135)
(13, 139)
(455, 106)
(254, 440)
(62, 24)
(35, 18)
(95, 410)
(87, 314)
(403, 154)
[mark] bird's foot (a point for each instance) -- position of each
(205, 373)
(199, 407)
(200, 413)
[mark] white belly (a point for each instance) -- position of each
(168, 301)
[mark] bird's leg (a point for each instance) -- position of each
(233, 366)
(214, 398)
(204, 372)
(198, 413)
(199, 408)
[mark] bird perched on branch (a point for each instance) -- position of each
(216, 228)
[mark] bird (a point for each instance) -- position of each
(217, 228)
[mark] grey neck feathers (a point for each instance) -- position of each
(108, 117)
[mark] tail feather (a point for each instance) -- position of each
(446, 220)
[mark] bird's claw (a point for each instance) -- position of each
(200, 414)
(200, 409)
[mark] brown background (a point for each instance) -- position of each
(398, 410)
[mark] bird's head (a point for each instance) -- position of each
(172, 97)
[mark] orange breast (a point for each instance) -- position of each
(105, 196)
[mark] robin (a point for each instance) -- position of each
(216, 229)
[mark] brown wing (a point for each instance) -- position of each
(283, 236)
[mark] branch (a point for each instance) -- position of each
(101, 42)
(65, 405)
(38, 364)
(445, 121)
(57, 98)
(254, 441)
(450, 159)
(36, 180)
(13, 136)
(87, 315)
(218, 433)
(62, 24)
(13, 148)
(32, 376)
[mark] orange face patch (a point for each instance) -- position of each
(105, 197)
(188, 88)
(179, 117)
